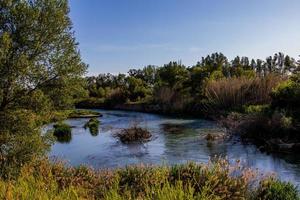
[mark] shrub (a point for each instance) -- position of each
(116, 96)
(93, 125)
(287, 96)
(20, 141)
(275, 190)
(134, 134)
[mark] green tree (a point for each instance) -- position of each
(40, 68)
(37, 50)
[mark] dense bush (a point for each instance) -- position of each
(287, 96)
(116, 96)
(275, 190)
(20, 141)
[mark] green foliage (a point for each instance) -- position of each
(216, 75)
(62, 132)
(175, 88)
(214, 181)
(116, 96)
(137, 89)
(276, 190)
(256, 108)
(40, 70)
(82, 113)
(93, 125)
(38, 53)
(20, 141)
(287, 96)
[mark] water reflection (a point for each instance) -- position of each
(94, 131)
(174, 140)
(65, 138)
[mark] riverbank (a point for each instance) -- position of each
(60, 115)
(217, 180)
(144, 107)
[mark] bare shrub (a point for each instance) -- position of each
(133, 134)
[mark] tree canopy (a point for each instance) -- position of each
(38, 51)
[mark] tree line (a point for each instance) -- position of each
(159, 83)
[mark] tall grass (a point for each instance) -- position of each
(217, 180)
(233, 93)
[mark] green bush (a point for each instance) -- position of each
(276, 190)
(21, 141)
(287, 96)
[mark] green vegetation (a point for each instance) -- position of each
(265, 94)
(134, 134)
(93, 125)
(175, 88)
(40, 72)
(218, 180)
(41, 77)
(83, 114)
(62, 132)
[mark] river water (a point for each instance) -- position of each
(174, 140)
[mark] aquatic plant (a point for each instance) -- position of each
(173, 128)
(133, 134)
(93, 125)
(62, 132)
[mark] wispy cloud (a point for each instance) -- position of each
(108, 48)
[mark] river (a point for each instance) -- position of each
(174, 140)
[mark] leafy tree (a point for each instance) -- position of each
(137, 88)
(173, 75)
(40, 68)
(37, 50)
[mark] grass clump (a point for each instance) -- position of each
(93, 126)
(62, 132)
(83, 114)
(134, 134)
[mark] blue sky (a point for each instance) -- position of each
(116, 35)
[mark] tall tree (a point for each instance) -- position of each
(38, 50)
(39, 63)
